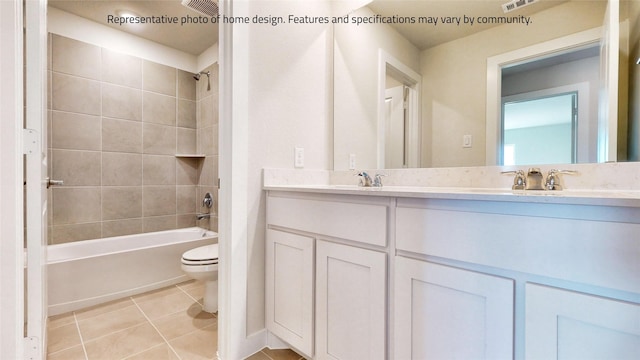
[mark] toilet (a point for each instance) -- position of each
(201, 263)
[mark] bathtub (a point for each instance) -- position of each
(92, 272)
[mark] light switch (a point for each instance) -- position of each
(352, 161)
(298, 158)
(467, 141)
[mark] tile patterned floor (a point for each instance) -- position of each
(164, 324)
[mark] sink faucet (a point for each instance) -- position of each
(534, 180)
(377, 180)
(365, 179)
(553, 178)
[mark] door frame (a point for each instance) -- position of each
(11, 181)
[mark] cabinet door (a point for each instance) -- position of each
(350, 302)
(441, 312)
(562, 324)
(289, 289)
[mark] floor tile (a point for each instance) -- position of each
(60, 320)
(198, 345)
(74, 353)
(103, 308)
(107, 323)
(123, 343)
(63, 337)
(184, 322)
(160, 352)
(162, 305)
(259, 356)
(282, 354)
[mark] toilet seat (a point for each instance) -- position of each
(200, 256)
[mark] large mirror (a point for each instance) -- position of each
(414, 85)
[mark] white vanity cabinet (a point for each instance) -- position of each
(442, 312)
(326, 274)
(390, 275)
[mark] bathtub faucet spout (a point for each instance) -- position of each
(202, 216)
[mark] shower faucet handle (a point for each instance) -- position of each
(208, 200)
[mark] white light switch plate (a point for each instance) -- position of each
(298, 157)
(467, 141)
(352, 161)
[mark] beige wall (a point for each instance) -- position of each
(634, 81)
(116, 125)
(454, 79)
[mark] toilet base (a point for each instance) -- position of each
(210, 300)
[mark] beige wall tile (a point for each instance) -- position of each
(159, 109)
(187, 114)
(186, 85)
(75, 57)
(186, 199)
(208, 174)
(158, 139)
(121, 169)
(205, 140)
(121, 135)
(61, 234)
(74, 131)
(76, 205)
(159, 170)
(185, 221)
(75, 94)
(187, 170)
(205, 112)
(121, 69)
(159, 223)
(121, 102)
(159, 78)
(121, 202)
(76, 167)
(159, 200)
(122, 227)
(186, 141)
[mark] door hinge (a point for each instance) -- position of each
(30, 141)
(32, 348)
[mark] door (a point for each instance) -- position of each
(562, 324)
(35, 143)
(350, 302)
(441, 312)
(395, 129)
(289, 288)
(608, 95)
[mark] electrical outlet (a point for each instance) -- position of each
(298, 157)
(467, 141)
(352, 161)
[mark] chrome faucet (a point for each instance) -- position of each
(519, 181)
(202, 216)
(377, 180)
(534, 180)
(365, 179)
(553, 178)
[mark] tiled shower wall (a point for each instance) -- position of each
(116, 123)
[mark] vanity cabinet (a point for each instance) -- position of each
(429, 277)
(350, 302)
(442, 312)
(326, 275)
(562, 324)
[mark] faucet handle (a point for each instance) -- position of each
(377, 180)
(553, 179)
(519, 181)
(365, 179)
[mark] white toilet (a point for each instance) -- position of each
(201, 263)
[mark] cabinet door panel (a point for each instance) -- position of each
(448, 313)
(562, 324)
(289, 288)
(350, 307)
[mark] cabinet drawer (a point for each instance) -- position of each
(363, 221)
(592, 252)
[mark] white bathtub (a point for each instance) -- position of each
(91, 272)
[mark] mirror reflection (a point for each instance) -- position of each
(418, 94)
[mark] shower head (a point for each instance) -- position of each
(197, 77)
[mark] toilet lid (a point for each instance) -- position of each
(202, 255)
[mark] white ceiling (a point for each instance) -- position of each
(190, 38)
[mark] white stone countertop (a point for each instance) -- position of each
(627, 198)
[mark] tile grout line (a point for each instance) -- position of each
(189, 295)
(84, 349)
(156, 329)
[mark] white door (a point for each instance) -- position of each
(350, 302)
(562, 324)
(441, 312)
(36, 174)
(289, 288)
(395, 129)
(608, 96)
